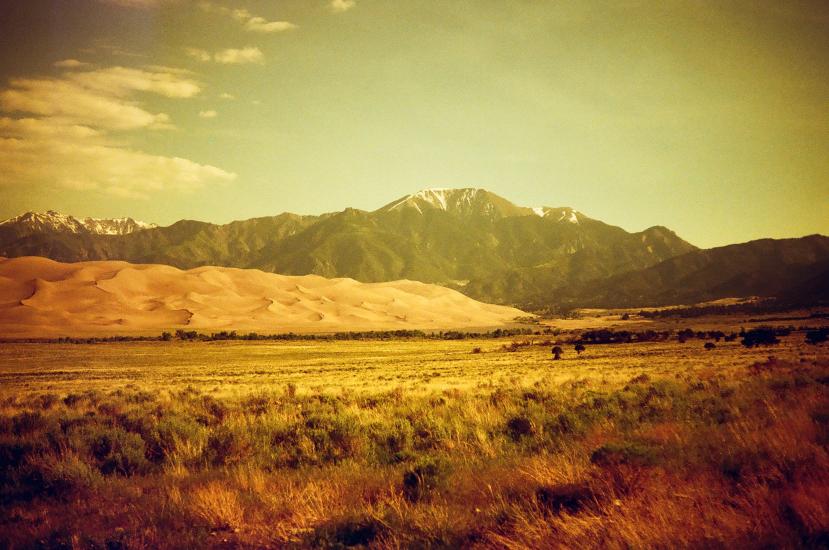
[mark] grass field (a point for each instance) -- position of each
(419, 443)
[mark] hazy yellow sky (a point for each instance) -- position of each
(711, 118)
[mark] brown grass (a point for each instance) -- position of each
(632, 445)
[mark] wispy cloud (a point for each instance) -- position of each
(225, 95)
(260, 24)
(65, 131)
(251, 22)
(235, 56)
(137, 3)
(210, 113)
(70, 64)
(339, 6)
(201, 55)
(230, 56)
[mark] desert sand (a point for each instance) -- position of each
(43, 298)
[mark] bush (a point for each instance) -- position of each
(163, 439)
(520, 426)
(817, 336)
(347, 532)
(57, 477)
(625, 453)
(762, 336)
(570, 497)
(225, 447)
(27, 422)
(423, 478)
(117, 451)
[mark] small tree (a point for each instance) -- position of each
(817, 336)
(710, 345)
(557, 351)
(762, 336)
(579, 348)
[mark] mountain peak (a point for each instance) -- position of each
(53, 221)
(467, 201)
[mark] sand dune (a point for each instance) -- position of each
(41, 297)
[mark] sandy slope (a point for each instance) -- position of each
(41, 297)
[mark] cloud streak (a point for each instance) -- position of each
(70, 64)
(230, 56)
(65, 131)
(250, 22)
(339, 6)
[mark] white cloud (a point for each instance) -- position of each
(225, 95)
(230, 56)
(99, 98)
(66, 133)
(196, 53)
(118, 80)
(71, 103)
(234, 56)
(210, 113)
(70, 64)
(259, 24)
(339, 6)
(95, 165)
(251, 22)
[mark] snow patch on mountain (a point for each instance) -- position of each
(437, 197)
(569, 215)
(51, 221)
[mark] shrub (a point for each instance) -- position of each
(163, 439)
(72, 399)
(347, 532)
(257, 404)
(817, 336)
(27, 422)
(117, 451)
(423, 478)
(520, 426)
(57, 477)
(569, 497)
(579, 348)
(333, 436)
(627, 453)
(710, 345)
(215, 408)
(762, 336)
(397, 439)
(225, 446)
(47, 400)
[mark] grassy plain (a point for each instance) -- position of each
(423, 443)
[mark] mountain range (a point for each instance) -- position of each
(33, 223)
(470, 240)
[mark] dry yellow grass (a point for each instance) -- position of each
(414, 443)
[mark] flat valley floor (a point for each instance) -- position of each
(400, 443)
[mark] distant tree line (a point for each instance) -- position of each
(769, 305)
(192, 335)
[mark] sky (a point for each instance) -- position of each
(708, 117)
